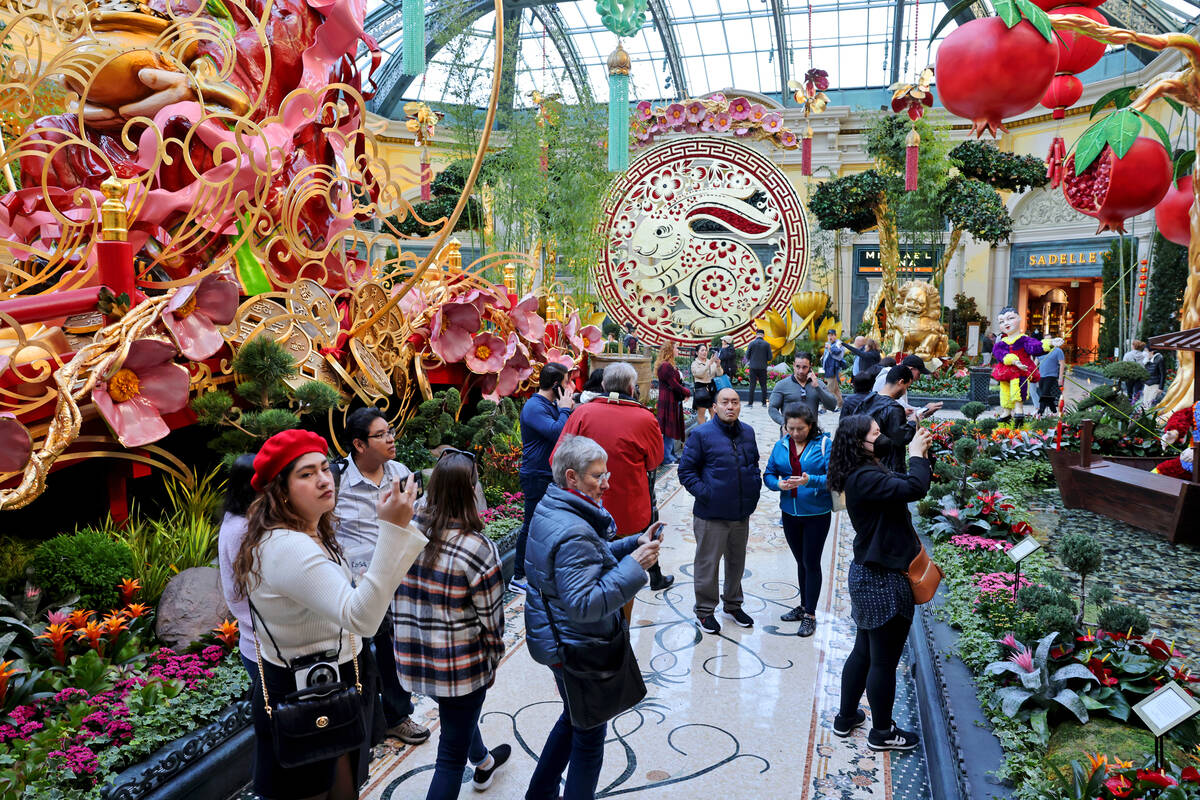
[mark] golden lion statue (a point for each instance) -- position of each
(917, 328)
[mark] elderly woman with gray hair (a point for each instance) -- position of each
(578, 582)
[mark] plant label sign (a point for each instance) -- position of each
(1166, 708)
(1023, 549)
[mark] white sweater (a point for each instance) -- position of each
(305, 597)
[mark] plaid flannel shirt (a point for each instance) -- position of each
(448, 617)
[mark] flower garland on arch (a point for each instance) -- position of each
(714, 114)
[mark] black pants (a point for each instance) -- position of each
(533, 487)
(872, 666)
(1047, 395)
(806, 538)
(758, 376)
(397, 701)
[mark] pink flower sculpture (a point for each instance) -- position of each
(193, 314)
(676, 115)
(723, 122)
(413, 303)
(773, 122)
(136, 394)
(717, 97)
(587, 338)
(741, 131)
(527, 319)
(740, 108)
(757, 112)
(517, 369)
(787, 139)
(16, 445)
(643, 110)
(709, 123)
(487, 354)
(556, 356)
(696, 111)
(454, 326)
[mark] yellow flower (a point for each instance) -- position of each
(778, 331)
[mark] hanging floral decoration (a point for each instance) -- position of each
(913, 98)
(811, 97)
(422, 122)
(713, 114)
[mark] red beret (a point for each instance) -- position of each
(282, 449)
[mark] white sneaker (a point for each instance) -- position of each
(518, 586)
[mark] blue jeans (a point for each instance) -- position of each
(669, 456)
(533, 487)
(582, 750)
(459, 741)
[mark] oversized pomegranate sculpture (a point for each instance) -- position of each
(987, 71)
(1173, 214)
(1113, 189)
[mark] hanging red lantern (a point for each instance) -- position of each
(1064, 92)
(1076, 53)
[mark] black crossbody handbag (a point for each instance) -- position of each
(314, 724)
(601, 680)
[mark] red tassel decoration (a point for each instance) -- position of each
(1054, 161)
(806, 153)
(912, 151)
(426, 176)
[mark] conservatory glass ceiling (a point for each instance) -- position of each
(686, 48)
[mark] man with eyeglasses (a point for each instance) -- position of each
(370, 469)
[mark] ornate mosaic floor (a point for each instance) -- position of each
(745, 713)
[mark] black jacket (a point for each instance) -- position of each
(758, 354)
(877, 501)
(893, 423)
(728, 358)
(865, 359)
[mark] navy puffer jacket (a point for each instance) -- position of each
(575, 574)
(719, 467)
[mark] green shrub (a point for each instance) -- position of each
(928, 506)
(1057, 618)
(1101, 596)
(983, 468)
(987, 425)
(973, 409)
(1057, 580)
(1125, 371)
(1035, 598)
(1080, 554)
(15, 555)
(939, 490)
(1122, 618)
(86, 563)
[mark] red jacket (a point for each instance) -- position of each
(629, 433)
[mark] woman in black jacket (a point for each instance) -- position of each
(881, 600)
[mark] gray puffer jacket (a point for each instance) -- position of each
(575, 574)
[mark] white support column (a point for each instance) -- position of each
(998, 294)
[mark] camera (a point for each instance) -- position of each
(317, 671)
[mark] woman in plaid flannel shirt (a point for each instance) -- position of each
(449, 623)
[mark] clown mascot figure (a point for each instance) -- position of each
(1180, 431)
(1015, 367)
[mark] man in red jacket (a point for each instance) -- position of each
(629, 433)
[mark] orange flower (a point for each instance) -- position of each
(1097, 760)
(129, 587)
(227, 632)
(114, 624)
(58, 635)
(135, 610)
(6, 672)
(79, 617)
(94, 633)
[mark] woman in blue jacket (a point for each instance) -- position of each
(796, 469)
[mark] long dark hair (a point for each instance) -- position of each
(271, 510)
(449, 501)
(801, 411)
(848, 453)
(240, 494)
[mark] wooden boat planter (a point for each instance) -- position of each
(1126, 492)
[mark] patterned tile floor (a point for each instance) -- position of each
(746, 712)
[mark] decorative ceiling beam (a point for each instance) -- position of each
(556, 28)
(662, 21)
(781, 50)
(897, 40)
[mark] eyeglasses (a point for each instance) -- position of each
(602, 477)
(456, 451)
(390, 433)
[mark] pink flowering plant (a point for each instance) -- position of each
(511, 506)
(713, 114)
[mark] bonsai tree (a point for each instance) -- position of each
(973, 409)
(1080, 554)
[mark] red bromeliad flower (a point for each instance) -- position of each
(114, 624)
(7, 670)
(79, 617)
(1190, 774)
(57, 635)
(1023, 659)
(135, 610)
(129, 587)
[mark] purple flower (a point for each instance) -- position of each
(643, 110)
(70, 695)
(676, 115)
(213, 652)
(7, 732)
(717, 97)
(773, 122)
(696, 111)
(30, 728)
(22, 714)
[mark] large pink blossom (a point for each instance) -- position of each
(723, 122)
(517, 369)
(587, 338)
(194, 313)
(454, 326)
(529, 322)
(16, 445)
(486, 354)
(554, 355)
(676, 115)
(739, 108)
(643, 110)
(773, 122)
(788, 138)
(137, 392)
(696, 111)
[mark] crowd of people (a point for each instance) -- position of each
(353, 589)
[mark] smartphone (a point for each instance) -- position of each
(656, 531)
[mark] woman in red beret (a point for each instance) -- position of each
(305, 607)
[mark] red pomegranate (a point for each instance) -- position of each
(1173, 214)
(1077, 52)
(1113, 189)
(1057, 5)
(987, 71)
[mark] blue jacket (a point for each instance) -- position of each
(541, 424)
(575, 574)
(812, 498)
(719, 467)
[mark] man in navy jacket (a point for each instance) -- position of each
(719, 468)
(543, 418)
(758, 358)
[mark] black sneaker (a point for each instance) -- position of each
(842, 726)
(483, 777)
(808, 626)
(709, 624)
(795, 615)
(740, 617)
(895, 739)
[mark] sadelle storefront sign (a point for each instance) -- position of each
(1080, 258)
(1066, 259)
